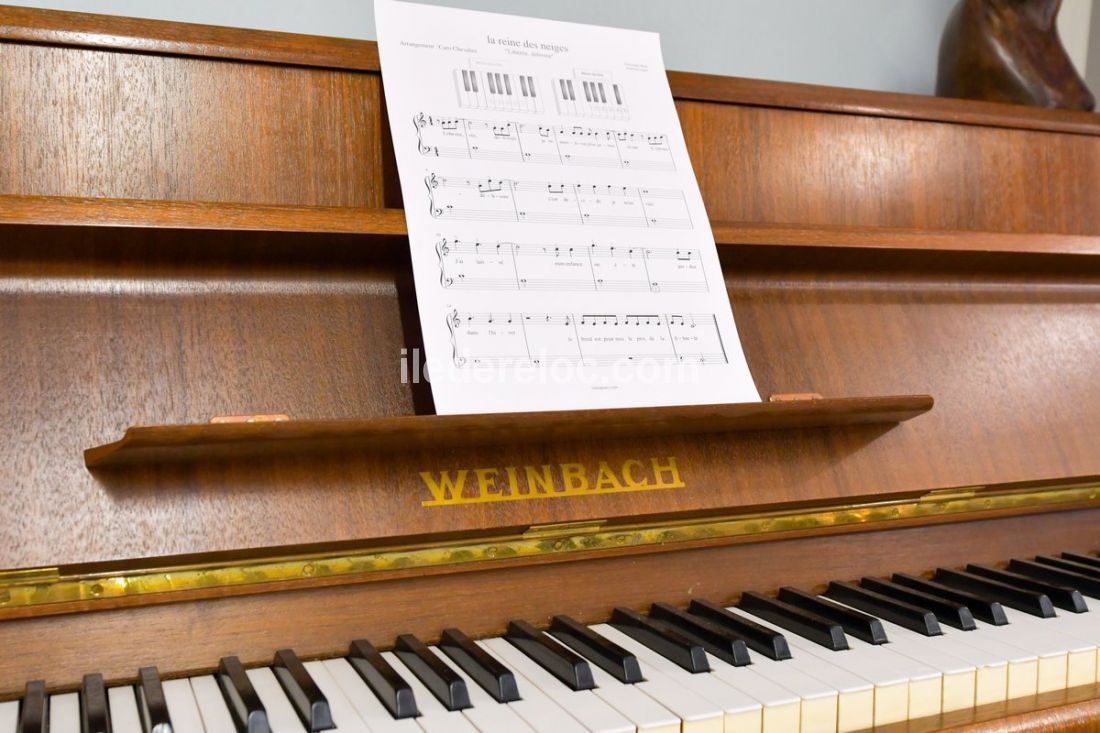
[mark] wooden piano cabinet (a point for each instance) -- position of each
(200, 222)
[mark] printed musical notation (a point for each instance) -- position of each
(457, 137)
(497, 90)
(559, 193)
(547, 339)
(590, 94)
(541, 202)
(558, 267)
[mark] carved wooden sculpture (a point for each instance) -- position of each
(1009, 51)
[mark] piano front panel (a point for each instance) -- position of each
(228, 324)
(188, 129)
(796, 165)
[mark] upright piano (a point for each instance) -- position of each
(227, 503)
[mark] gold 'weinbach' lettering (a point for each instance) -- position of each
(517, 483)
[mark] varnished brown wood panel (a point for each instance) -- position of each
(189, 637)
(188, 39)
(104, 123)
(107, 328)
(786, 166)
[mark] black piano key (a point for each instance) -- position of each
(466, 80)
(618, 97)
(1027, 601)
(523, 85)
(605, 654)
(572, 93)
(531, 86)
(567, 666)
(388, 686)
(491, 78)
(760, 638)
(442, 681)
(1081, 558)
(1084, 583)
(948, 612)
(806, 624)
(856, 623)
(901, 613)
(248, 713)
(34, 711)
(983, 609)
(564, 91)
(1064, 564)
(305, 696)
(483, 668)
(507, 85)
(663, 639)
(95, 716)
(587, 93)
(473, 81)
(716, 639)
(603, 97)
(152, 705)
(1068, 599)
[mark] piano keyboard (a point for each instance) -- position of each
(860, 654)
(590, 97)
(497, 90)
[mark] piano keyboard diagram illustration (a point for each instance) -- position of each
(548, 144)
(542, 202)
(482, 340)
(592, 94)
(584, 268)
(497, 90)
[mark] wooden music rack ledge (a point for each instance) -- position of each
(174, 443)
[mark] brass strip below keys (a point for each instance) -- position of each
(43, 587)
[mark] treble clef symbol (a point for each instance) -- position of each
(421, 120)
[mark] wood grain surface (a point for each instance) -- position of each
(226, 440)
(105, 123)
(107, 212)
(187, 638)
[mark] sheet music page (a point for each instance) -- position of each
(561, 252)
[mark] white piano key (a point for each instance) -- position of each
(486, 713)
(65, 713)
(591, 711)
(738, 710)
(280, 713)
(216, 717)
(820, 683)
(366, 703)
(891, 675)
(1049, 648)
(959, 675)
(434, 718)
(782, 709)
(540, 711)
(697, 715)
(1057, 647)
(124, 711)
(344, 715)
(648, 715)
(181, 705)
(9, 716)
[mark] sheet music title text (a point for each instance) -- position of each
(532, 45)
